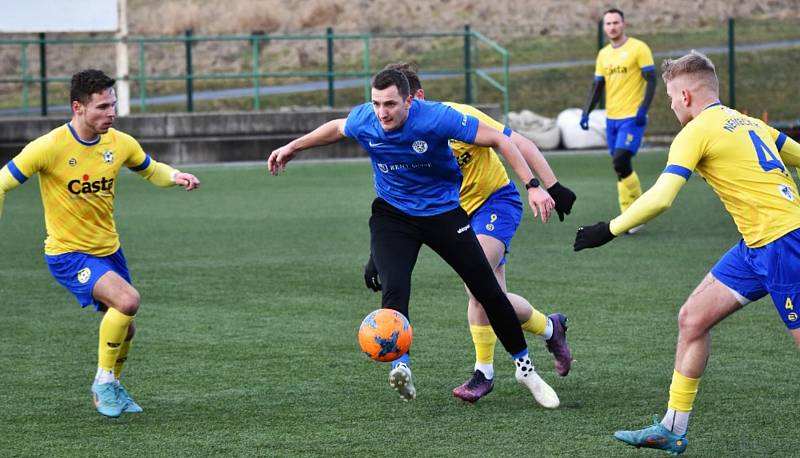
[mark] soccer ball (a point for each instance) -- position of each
(385, 335)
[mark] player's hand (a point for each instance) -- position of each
(592, 236)
(541, 203)
(276, 163)
(187, 181)
(371, 279)
(585, 121)
(641, 116)
(563, 197)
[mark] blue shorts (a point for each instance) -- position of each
(773, 268)
(624, 134)
(499, 216)
(78, 272)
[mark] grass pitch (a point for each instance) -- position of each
(252, 293)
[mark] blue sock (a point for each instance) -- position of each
(405, 359)
(521, 354)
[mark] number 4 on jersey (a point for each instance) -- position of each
(763, 151)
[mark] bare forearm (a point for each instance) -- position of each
(514, 158)
(325, 134)
(535, 159)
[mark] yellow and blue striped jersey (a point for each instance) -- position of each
(77, 180)
(621, 68)
(482, 169)
(740, 157)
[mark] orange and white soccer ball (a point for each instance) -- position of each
(385, 335)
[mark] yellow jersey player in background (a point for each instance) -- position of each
(78, 164)
(626, 71)
(494, 208)
(746, 163)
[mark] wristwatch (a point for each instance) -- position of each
(534, 183)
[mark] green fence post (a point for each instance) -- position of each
(142, 80)
(367, 82)
(256, 40)
(467, 64)
(189, 82)
(601, 41)
(24, 59)
(43, 73)
(329, 39)
(731, 64)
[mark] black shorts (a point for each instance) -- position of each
(396, 239)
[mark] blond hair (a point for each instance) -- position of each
(695, 65)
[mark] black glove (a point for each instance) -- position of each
(371, 279)
(564, 198)
(592, 236)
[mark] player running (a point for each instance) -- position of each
(78, 164)
(626, 71)
(417, 181)
(745, 162)
(495, 210)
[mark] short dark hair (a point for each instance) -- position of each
(615, 11)
(410, 70)
(88, 82)
(391, 77)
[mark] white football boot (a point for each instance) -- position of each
(400, 381)
(541, 391)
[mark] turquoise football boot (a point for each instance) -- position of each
(655, 436)
(106, 399)
(128, 404)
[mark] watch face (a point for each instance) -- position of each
(534, 183)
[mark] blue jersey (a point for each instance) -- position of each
(415, 169)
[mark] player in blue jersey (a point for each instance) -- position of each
(626, 72)
(417, 181)
(745, 162)
(495, 210)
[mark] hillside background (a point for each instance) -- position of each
(500, 21)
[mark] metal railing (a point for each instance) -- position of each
(260, 79)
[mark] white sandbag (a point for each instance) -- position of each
(540, 130)
(574, 137)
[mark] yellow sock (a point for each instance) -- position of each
(113, 330)
(122, 357)
(484, 339)
(628, 190)
(682, 392)
(536, 323)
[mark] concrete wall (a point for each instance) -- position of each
(180, 138)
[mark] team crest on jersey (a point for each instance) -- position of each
(72, 162)
(108, 156)
(786, 192)
(383, 168)
(84, 275)
(420, 146)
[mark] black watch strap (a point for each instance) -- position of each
(534, 183)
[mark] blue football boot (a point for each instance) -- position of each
(128, 404)
(106, 399)
(655, 436)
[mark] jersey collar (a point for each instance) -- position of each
(78, 139)
(713, 105)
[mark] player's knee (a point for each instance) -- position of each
(690, 324)
(127, 302)
(622, 163)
